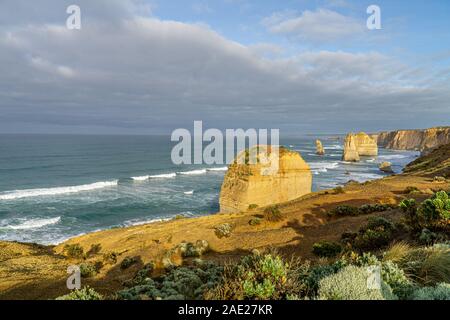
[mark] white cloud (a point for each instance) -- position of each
(318, 26)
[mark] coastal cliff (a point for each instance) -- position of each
(420, 140)
(245, 184)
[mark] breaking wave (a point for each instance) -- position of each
(34, 224)
(19, 194)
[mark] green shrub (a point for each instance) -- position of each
(74, 251)
(411, 189)
(376, 234)
(314, 275)
(86, 293)
(140, 276)
(326, 249)
(346, 210)
(343, 210)
(436, 209)
(223, 230)
(372, 208)
(252, 206)
(439, 292)
(428, 237)
(259, 277)
(182, 283)
(188, 249)
(339, 190)
(128, 262)
(396, 278)
(409, 208)
(351, 283)
(88, 270)
(255, 221)
(273, 214)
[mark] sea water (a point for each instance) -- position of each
(53, 187)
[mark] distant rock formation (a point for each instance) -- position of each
(420, 140)
(386, 167)
(350, 149)
(319, 148)
(247, 185)
(365, 145)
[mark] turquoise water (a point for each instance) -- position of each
(56, 187)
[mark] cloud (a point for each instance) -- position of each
(318, 26)
(142, 74)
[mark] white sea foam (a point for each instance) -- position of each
(334, 147)
(34, 224)
(393, 156)
(218, 169)
(322, 166)
(141, 178)
(163, 176)
(19, 194)
(193, 172)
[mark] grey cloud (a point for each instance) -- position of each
(145, 75)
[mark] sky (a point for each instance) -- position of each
(152, 66)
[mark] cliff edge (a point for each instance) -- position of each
(420, 140)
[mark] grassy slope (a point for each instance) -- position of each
(37, 272)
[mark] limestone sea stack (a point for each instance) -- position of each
(365, 145)
(350, 150)
(386, 167)
(246, 184)
(319, 148)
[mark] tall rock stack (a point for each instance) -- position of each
(250, 184)
(365, 145)
(350, 149)
(319, 148)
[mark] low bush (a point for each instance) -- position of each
(351, 283)
(439, 292)
(128, 262)
(86, 293)
(74, 251)
(259, 277)
(326, 249)
(409, 208)
(411, 189)
(346, 210)
(88, 270)
(255, 221)
(339, 190)
(252, 206)
(273, 214)
(182, 283)
(223, 230)
(435, 210)
(188, 249)
(343, 210)
(378, 233)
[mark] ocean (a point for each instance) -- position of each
(54, 187)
